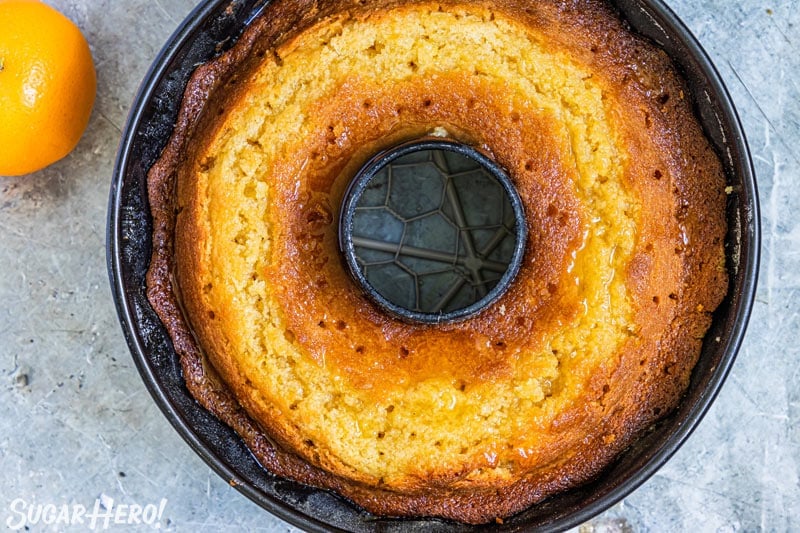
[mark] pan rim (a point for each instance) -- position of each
(744, 287)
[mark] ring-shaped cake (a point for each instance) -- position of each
(475, 420)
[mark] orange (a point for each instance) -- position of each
(47, 86)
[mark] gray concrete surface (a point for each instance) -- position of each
(77, 426)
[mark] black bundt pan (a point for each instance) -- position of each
(213, 26)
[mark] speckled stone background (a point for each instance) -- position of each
(77, 425)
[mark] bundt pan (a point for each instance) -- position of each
(212, 28)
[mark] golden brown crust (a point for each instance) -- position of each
(674, 276)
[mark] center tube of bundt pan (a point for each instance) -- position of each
(432, 230)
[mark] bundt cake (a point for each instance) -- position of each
(472, 420)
